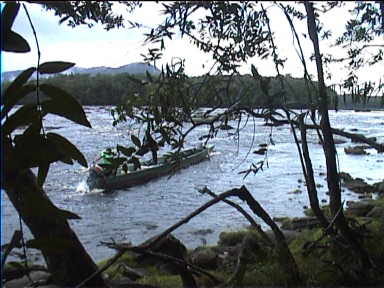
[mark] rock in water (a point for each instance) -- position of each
(358, 209)
(356, 150)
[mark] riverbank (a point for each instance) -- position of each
(245, 258)
(141, 212)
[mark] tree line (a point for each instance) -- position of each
(115, 89)
(108, 89)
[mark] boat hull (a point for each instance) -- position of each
(97, 180)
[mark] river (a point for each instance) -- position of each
(137, 213)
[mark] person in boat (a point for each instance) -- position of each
(149, 145)
(154, 149)
(124, 167)
(107, 162)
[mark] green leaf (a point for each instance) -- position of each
(63, 104)
(21, 79)
(13, 42)
(54, 67)
(44, 151)
(136, 140)
(34, 128)
(42, 174)
(9, 13)
(14, 94)
(43, 207)
(67, 148)
(23, 116)
(255, 73)
(126, 151)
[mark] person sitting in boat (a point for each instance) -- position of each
(107, 162)
(150, 145)
(124, 167)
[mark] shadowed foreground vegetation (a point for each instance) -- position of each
(348, 248)
(322, 259)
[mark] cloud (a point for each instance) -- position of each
(98, 47)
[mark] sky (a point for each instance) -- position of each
(97, 47)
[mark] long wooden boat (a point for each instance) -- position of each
(97, 180)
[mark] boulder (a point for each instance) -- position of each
(300, 223)
(170, 246)
(362, 135)
(274, 123)
(231, 238)
(358, 209)
(205, 258)
(379, 187)
(226, 127)
(365, 196)
(339, 140)
(358, 185)
(376, 212)
(202, 232)
(289, 235)
(260, 151)
(204, 137)
(296, 191)
(355, 150)
(346, 177)
(35, 276)
(131, 273)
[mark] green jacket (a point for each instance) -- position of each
(106, 158)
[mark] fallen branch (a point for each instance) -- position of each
(353, 136)
(140, 250)
(242, 261)
(101, 270)
(286, 260)
(15, 242)
(232, 192)
(147, 247)
(265, 237)
(360, 138)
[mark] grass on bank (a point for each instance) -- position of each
(322, 260)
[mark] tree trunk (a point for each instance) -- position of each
(329, 148)
(310, 179)
(66, 258)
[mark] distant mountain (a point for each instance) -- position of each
(132, 68)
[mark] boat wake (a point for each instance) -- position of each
(82, 188)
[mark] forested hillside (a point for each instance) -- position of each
(106, 89)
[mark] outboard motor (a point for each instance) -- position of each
(95, 178)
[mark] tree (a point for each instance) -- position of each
(333, 178)
(233, 33)
(65, 256)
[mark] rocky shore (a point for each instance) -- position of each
(220, 262)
